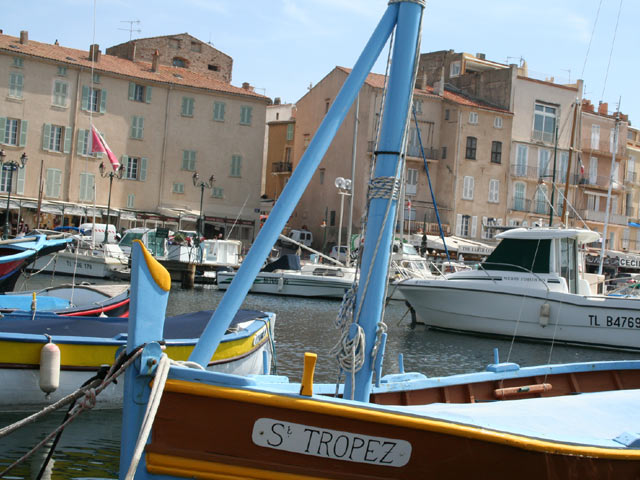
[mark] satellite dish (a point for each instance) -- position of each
(340, 183)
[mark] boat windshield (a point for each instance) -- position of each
(520, 255)
(409, 249)
(129, 237)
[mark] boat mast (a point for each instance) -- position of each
(606, 213)
(571, 142)
(553, 178)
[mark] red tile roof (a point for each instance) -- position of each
(119, 66)
(376, 80)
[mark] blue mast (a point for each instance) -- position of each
(396, 109)
(294, 189)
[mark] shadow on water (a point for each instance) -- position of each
(90, 446)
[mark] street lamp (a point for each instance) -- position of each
(117, 173)
(344, 188)
(10, 167)
(201, 184)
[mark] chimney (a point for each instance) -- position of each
(439, 86)
(154, 61)
(603, 108)
(481, 56)
(24, 37)
(132, 51)
(94, 52)
(247, 86)
(277, 101)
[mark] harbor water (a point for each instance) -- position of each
(89, 447)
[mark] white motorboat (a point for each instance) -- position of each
(532, 286)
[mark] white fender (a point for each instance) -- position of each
(49, 368)
(281, 282)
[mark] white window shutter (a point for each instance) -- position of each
(20, 182)
(485, 229)
(458, 224)
(474, 226)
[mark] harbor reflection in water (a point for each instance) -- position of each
(89, 447)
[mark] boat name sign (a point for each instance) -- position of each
(334, 444)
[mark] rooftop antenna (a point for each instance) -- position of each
(131, 29)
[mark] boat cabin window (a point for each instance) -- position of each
(328, 272)
(519, 255)
(568, 262)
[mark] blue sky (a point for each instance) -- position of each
(283, 46)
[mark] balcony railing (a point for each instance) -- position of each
(630, 177)
(281, 167)
(521, 205)
(598, 216)
(412, 151)
(524, 171)
(598, 181)
(603, 147)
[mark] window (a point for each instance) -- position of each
(417, 105)
(6, 179)
(56, 138)
(236, 165)
(16, 82)
(189, 160)
(496, 152)
(321, 177)
(218, 111)
(131, 198)
(287, 155)
(471, 148)
(522, 152)
(13, 131)
(497, 122)
(467, 188)
(444, 153)
(290, 132)
(178, 187)
(306, 139)
(174, 43)
(135, 168)
(139, 93)
(179, 62)
(473, 118)
(196, 47)
(18, 62)
(446, 114)
(630, 135)
(466, 225)
(87, 187)
(544, 157)
(612, 137)
(187, 106)
(60, 91)
(488, 227)
(593, 170)
(137, 127)
(519, 197)
(213, 68)
(217, 192)
(85, 141)
(62, 71)
(96, 78)
(454, 69)
(412, 181)
(595, 137)
(631, 169)
(245, 115)
(327, 104)
(53, 182)
(93, 99)
(494, 191)
(332, 218)
(544, 123)
(541, 199)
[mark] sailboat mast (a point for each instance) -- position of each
(606, 213)
(571, 142)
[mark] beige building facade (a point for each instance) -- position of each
(164, 124)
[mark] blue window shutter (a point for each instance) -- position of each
(132, 89)
(81, 135)
(148, 94)
(24, 127)
(20, 182)
(46, 136)
(103, 101)
(143, 169)
(68, 135)
(85, 98)
(3, 126)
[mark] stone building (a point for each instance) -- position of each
(278, 163)
(165, 123)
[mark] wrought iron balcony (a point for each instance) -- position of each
(281, 167)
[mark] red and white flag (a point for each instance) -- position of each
(409, 205)
(99, 145)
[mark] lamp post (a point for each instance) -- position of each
(344, 188)
(10, 167)
(117, 173)
(201, 184)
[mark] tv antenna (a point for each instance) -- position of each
(131, 29)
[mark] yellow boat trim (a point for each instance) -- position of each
(159, 464)
(93, 355)
(157, 271)
(399, 420)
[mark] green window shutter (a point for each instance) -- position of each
(24, 127)
(134, 126)
(68, 136)
(222, 107)
(85, 98)
(103, 101)
(148, 94)
(250, 114)
(20, 182)
(3, 131)
(140, 127)
(132, 89)
(143, 169)
(46, 136)
(57, 182)
(81, 147)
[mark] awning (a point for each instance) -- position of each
(471, 247)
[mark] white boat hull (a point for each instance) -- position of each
(293, 284)
(21, 392)
(464, 306)
(68, 263)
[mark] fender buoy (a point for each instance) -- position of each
(49, 367)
